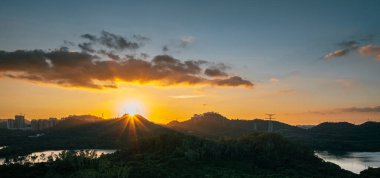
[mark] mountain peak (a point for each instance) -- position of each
(173, 123)
(335, 125)
(210, 116)
(135, 117)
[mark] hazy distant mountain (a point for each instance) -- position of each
(325, 136)
(82, 117)
(305, 126)
(214, 124)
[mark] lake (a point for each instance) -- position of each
(53, 153)
(352, 161)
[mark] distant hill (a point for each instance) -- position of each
(346, 136)
(325, 136)
(213, 124)
(88, 118)
(82, 133)
(114, 130)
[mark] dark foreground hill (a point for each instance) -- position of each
(326, 136)
(179, 155)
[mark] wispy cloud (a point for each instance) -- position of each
(370, 50)
(374, 109)
(361, 109)
(344, 48)
(181, 43)
(361, 47)
(336, 53)
(187, 96)
(187, 40)
(274, 80)
(346, 84)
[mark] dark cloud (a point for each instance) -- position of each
(86, 47)
(103, 60)
(215, 72)
(115, 42)
(81, 69)
(111, 46)
(109, 54)
(89, 37)
(165, 48)
(233, 81)
(141, 39)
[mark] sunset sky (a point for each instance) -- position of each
(306, 61)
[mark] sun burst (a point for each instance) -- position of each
(132, 108)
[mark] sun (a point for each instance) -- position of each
(132, 108)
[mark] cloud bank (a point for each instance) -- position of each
(102, 66)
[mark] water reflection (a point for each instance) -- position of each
(352, 161)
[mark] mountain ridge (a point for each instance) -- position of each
(334, 136)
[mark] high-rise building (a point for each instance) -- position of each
(40, 124)
(19, 121)
(34, 124)
(10, 124)
(53, 121)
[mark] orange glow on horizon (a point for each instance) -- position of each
(157, 103)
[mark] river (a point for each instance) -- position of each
(352, 161)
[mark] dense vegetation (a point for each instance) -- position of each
(150, 150)
(177, 155)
